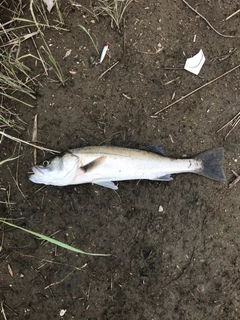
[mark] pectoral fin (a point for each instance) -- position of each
(93, 164)
(107, 184)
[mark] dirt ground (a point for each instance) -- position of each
(174, 245)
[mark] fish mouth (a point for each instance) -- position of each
(37, 171)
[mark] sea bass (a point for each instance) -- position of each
(104, 164)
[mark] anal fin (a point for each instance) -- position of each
(107, 184)
(167, 177)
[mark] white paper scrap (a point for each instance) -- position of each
(49, 4)
(67, 54)
(195, 63)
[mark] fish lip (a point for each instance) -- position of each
(37, 171)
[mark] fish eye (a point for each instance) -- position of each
(46, 163)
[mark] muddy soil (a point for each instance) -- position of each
(174, 245)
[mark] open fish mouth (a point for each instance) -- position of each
(37, 171)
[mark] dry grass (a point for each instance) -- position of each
(232, 124)
(16, 77)
(9, 119)
(115, 9)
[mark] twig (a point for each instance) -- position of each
(75, 4)
(34, 139)
(17, 165)
(197, 89)
(54, 283)
(233, 122)
(108, 70)
(51, 261)
(110, 137)
(2, 311)
(18, 100)
(200, 15)
(233, 14)
(40, 57)
(9, 159)
(1, 246)
(17, 184)
(171, 81)
(235, 181)
(157, 51)
(19, 39)
(183, 269)
(124, 39)
(28, 143)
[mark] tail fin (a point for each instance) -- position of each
(210, 164)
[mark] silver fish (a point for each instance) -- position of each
(104, 164)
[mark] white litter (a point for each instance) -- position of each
(62, 312)
(67, 54)
(194, 64)
(49, 4)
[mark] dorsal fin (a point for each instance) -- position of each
(154, 149)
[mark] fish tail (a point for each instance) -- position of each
(211, 164)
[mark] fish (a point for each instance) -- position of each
(103, 165)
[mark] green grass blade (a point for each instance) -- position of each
(56, 242)
(57, 69)
(85, 30)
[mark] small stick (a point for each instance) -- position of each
(19, 40)
(157, 51)
(233, 122)
(40, 57)
(3, 312)
(10, 270)
(233, 14)
(235, 181)
(233, 126)
(60, 281)
(108, 70)
(34, 139)
(229, 122)
(17, 184)
(171, 81)
(197, 89)
(200, 15)
(28, 143)
(1, 246)
(124, 39)
(171, 138)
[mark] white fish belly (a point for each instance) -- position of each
(116, 170)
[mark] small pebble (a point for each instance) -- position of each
(160, 209)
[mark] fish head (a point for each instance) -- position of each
(58, 171)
